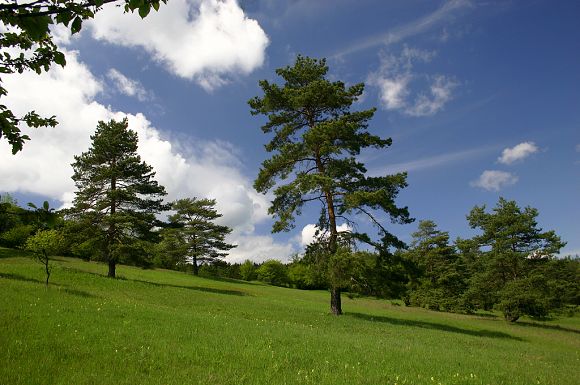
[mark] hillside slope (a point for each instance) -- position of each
(164, 327)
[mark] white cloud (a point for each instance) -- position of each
(308, 233)
(428, 104)
(518, 152)
(208, 41)
(259, 248)
(393, 92)
(128, 86)
(395, 79)
(430, 162)
(209, 169)
(578, 147)
(494, 180)
(413, 28)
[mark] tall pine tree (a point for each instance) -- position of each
(198, 238)
(117, 198)
(315, 144)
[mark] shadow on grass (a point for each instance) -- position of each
(196, 288)
(548, 327)
(11, 253)
(433, 326)
(64, 288)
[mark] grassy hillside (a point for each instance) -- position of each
(163, 327)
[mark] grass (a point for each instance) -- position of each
(163, 327)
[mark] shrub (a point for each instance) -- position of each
(524, 297)
(248, 271)
(16, 237)
(273, 272)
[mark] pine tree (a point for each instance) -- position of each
(117, 198)
(199, 238)
(512, 250)
(441, 278)
(316, 139)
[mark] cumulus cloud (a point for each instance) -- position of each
(518, 152)
(207, 41)
(308, 233)
(401, 88)
(259, 248)
(128, 86)
(494, 180)
(210, 169)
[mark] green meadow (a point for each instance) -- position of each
(165, 327)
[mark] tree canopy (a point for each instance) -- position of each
(316, 139)
(26, 44)
(440, 280)
(117, 198)
(511, 249)
(195, 234)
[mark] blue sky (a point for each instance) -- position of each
(481, 98)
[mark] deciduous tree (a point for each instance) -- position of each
(26, 44)
(44, 244)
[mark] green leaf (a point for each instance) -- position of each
(59, 59)
(76, 25)
(144, 10)
(35, 27)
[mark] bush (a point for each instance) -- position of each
(301, 277)
(524, 297)
(16, 237)
(248, 271)
(273, 272)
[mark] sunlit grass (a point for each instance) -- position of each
(163, 327)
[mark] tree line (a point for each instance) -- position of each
(509, 266)
(315, 142)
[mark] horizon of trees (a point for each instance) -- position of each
(433, 272)
(510, 266)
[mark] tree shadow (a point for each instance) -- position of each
(228, 280)
(64, 288)
(196, 288)
(548, 327)
(78, 293)
(11, 253)
(17, 277)
(433, 326)
(158, 284)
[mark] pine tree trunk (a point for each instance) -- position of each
(335, 302)
(195, 268)
(112, 267)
